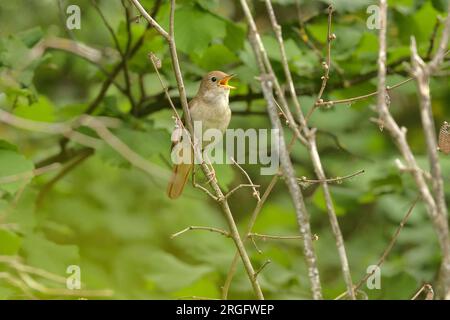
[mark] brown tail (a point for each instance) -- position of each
(178, 180)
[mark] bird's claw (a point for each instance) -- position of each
(211, 176)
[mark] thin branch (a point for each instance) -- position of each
(391, 243)
(210, 229)
(433, 38)
(202, 188)
(253, 217)
(387, 250)
(362, 97)
(279, 36)
(109, 27)
(311, 138)
(327, 64)
(337, 180)
(439, 56)
(242, 185)
(29, 174)
(398, 134)
(268, 80)
(47, 187)
(264, 237)
(335, 228)
(422, 71)
(99, 125)
(252, 185)
(109, 80)
(265, 264)
(150, 20)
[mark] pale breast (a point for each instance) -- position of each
(215, 115)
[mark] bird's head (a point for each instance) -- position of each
(215, 84)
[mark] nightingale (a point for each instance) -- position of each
(210, 106)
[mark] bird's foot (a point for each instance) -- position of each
(211, 176)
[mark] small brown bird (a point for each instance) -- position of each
(211, 107)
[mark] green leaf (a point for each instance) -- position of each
(440, 5)
(235, 37)
(167, 273)
(9, 242)
(13, 52)
(216, 57)
(195, 29)
(149, 144)
(42, 253)
(41, 110)
(5, 145)
(32, 36)
(12, 164)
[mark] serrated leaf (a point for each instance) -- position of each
(195, 29)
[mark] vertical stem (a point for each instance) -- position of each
(311, 137)
(267, 81)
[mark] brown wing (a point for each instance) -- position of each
(180, 172)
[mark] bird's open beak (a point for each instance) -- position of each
(224, 82)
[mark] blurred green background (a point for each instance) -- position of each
(115, 222)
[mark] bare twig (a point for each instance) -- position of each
(331, 180)
(99, 125)
(108, 26)
(442, 50)
(150, 20)
(47, 187)
(398, 135)
(387, 250)
(211, 229)
(27, 284)
(391, 243)
(327, 64)
(267, 82)
(310, 134)
(365, 96)
(331, 214)
(253, 217)
(252, 185)
(30, 174)
(242, 185)
(422, 71)
(382, 92)
(265, 264)
(433, 38)
(267, 236)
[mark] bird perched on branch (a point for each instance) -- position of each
(211, 107)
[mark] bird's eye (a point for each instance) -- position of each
(213, 79)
